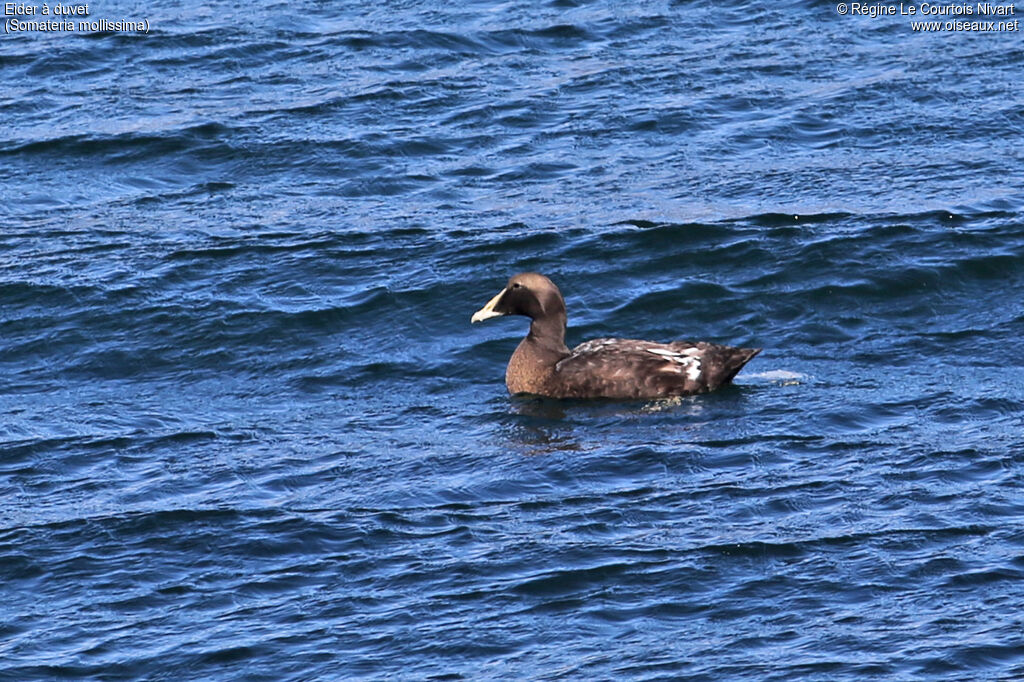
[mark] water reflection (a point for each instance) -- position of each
(539, 426)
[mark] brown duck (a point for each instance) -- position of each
(603, 368)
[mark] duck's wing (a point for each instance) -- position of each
(631, 368)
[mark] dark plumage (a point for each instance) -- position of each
(602, 368)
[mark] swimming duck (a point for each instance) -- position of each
(602, 368)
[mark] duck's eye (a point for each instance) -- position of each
(517, 285)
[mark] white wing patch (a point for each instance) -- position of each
(679, 359)
(688, 361)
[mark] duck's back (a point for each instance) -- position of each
(635, 369)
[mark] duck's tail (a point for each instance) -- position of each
(728, 362)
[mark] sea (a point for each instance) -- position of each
(247, 431)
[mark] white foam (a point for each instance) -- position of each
(775, 375)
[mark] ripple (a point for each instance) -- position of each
(247, 425)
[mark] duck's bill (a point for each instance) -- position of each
(488, 311)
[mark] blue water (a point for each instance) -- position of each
(249, 433)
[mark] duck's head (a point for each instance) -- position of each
(529, 294)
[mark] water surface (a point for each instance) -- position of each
(248, 432)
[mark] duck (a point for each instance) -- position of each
(619, 369)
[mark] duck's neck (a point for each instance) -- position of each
(535, 358)
(547, 336)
